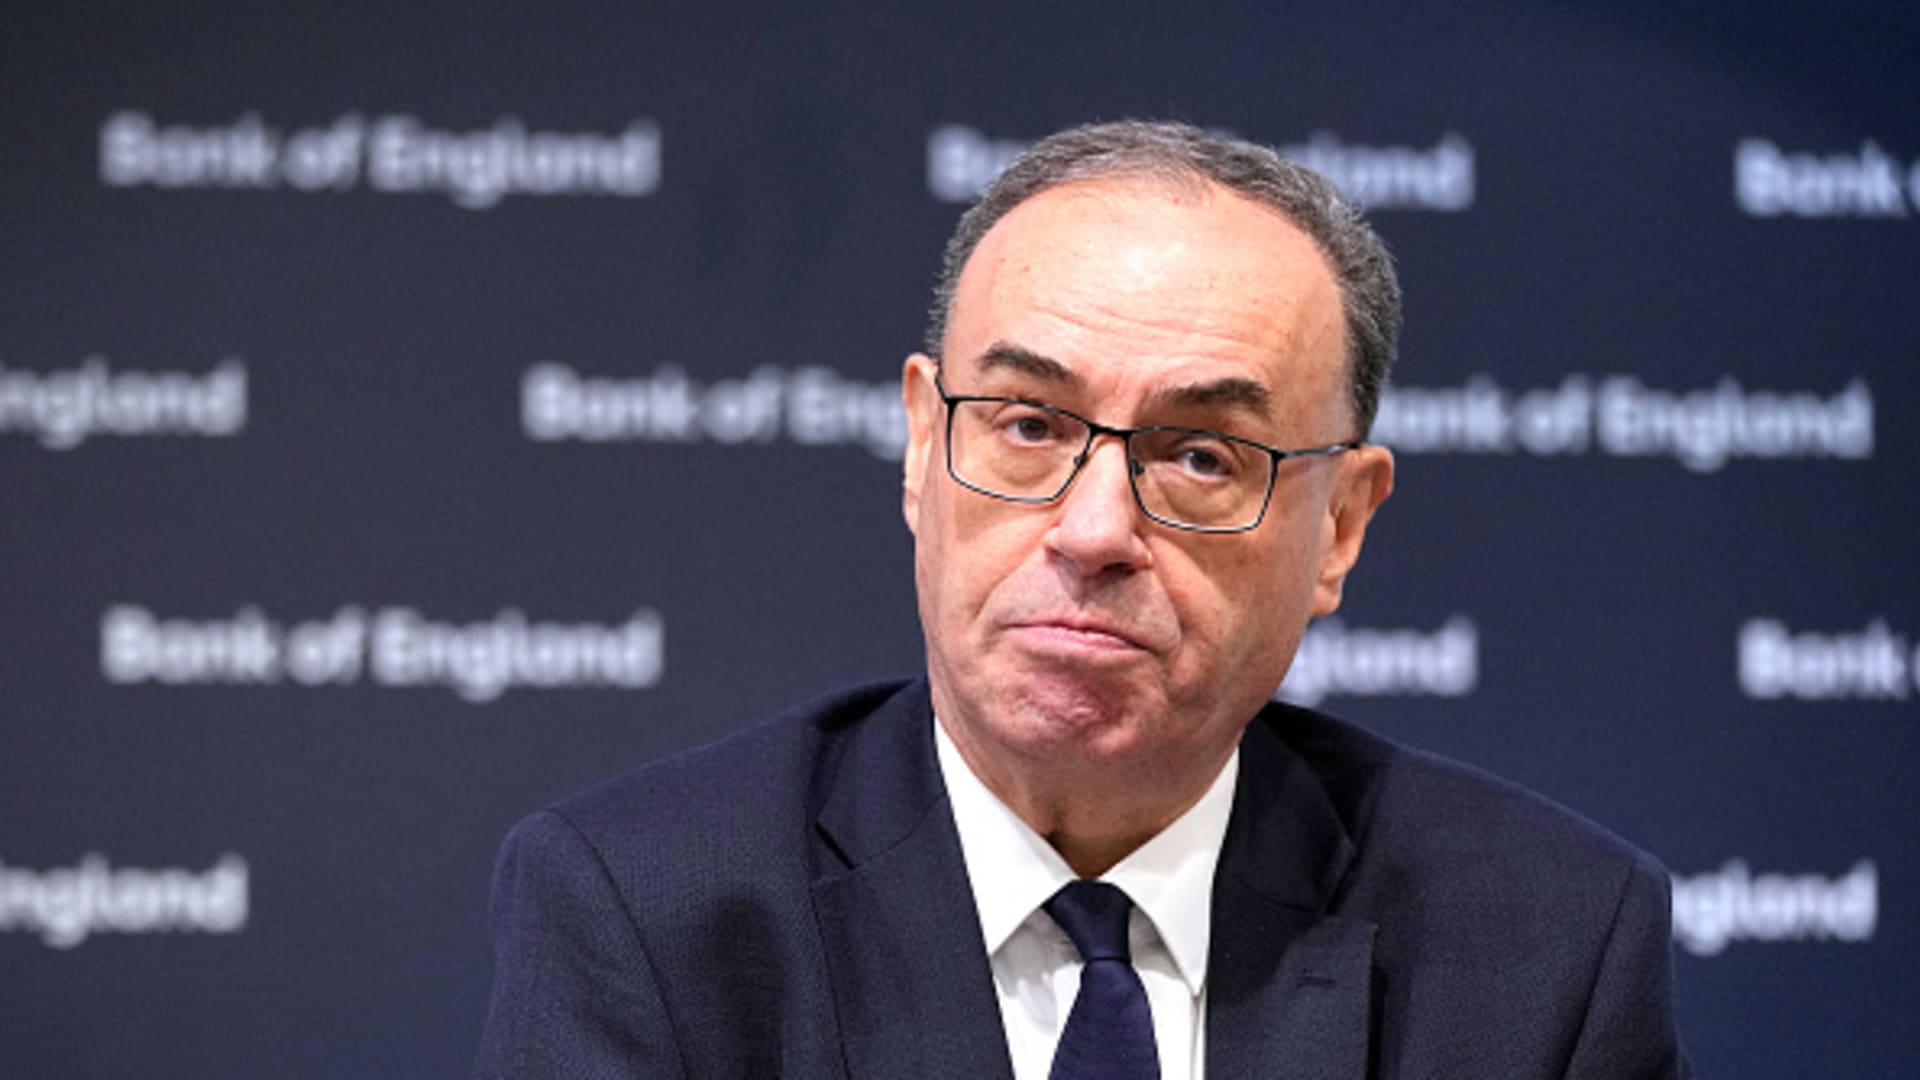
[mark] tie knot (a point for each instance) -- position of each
(1094, 914)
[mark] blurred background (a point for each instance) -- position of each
(407, 417)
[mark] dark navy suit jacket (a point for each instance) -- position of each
(792, 901)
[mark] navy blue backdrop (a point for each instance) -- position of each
(407, 418)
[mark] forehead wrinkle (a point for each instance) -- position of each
(1175, 339)
(1239, 392)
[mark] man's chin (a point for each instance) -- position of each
(1076, 717)
(1042, 707)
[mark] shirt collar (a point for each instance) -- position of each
(1013, 870)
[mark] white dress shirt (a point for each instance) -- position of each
(1036, 969)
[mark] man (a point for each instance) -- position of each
(1088, 844)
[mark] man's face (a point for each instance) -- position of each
(1080, 637)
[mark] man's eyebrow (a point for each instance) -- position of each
(1004, 354)
(1231, 391)
(1236, 392)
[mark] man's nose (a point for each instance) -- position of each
(1099, 521)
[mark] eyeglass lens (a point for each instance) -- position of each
(1022, 451)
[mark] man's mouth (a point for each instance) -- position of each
(1080, 635)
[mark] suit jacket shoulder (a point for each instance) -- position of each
(788, 901)
(1510, 936)
(741, 807)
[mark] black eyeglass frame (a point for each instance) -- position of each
(1134, 468)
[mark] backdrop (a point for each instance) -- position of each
(406, 419)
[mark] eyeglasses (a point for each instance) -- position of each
(1187, 478)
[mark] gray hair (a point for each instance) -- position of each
(1181, 153)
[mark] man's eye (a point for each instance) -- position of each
(1206, 461)
(1032, 427)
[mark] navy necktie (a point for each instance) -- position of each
(1109, 1033)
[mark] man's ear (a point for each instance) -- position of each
(1363, 480)
(922, 400)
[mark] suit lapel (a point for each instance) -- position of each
(1289, 986)
(911, 979)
